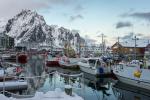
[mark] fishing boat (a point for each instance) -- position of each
(94, 66)
(67, 63)
(8, 70)
(8, 79)
(132, 75)
(52, 62)
(9, 57)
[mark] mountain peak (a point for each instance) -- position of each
(26, 12)
(29, 27)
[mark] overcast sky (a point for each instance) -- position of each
(91, 17)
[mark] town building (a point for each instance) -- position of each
(130, 49)
(147, 51)
(94, 49)
(6, 42)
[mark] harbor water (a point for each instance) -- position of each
(90, 87)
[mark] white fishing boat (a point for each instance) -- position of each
(9, 81)
(10, 69)
(67, 63)
(94, 66)
(133, 75)
(8, 57)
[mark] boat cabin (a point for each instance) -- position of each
(94, 62)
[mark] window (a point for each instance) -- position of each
(84, 61)
(92, 62)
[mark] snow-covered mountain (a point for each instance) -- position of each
(2, 24)
(28, 27)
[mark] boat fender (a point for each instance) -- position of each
(22, 58)
(137, 74)
(101, 70)
(18, 69)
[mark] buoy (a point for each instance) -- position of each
(137, 74)
(19, 69)
(101, 70)
(22, 58)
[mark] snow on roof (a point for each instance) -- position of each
(131, 43)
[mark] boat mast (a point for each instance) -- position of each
(102, 43)
(51, 44)
(135, 39)
(118, 46)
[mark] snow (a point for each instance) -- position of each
(68, 86)
(131, 43)
(50, 95)
(1, 73)
(3, 22)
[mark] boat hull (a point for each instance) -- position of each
(52, 63)
(134, 82)
(93, 71)
(68, 65)
(88, 70)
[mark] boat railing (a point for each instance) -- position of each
(55, 73)
(119, 67)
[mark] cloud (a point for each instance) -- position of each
(75, 17)
(123, 24)
(59, 1)
(77, 13)
(139, 34)
(9, 8)
(140, 15)
(127, 36)
(146, 37)
(131, 35)
(98, 32)
(78, 8)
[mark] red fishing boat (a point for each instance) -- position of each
(53, 62)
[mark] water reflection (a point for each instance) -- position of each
(99, 86)
(94, 88)
(126, 92)
(35, 67)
